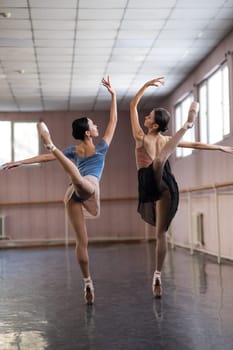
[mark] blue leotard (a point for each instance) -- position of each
(91, 165)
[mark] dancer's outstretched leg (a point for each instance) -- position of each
(85, 188)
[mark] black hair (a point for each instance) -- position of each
(79, 127)
(162, 117)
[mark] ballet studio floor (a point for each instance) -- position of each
(42, 306)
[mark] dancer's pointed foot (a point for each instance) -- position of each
(157, 285)
(45, 136)
(89, 295)
(192, 114)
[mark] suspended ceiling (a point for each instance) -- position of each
(54, 53)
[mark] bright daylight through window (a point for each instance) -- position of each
(18, 140)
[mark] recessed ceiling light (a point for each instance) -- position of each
(20, 71)
(5, 14)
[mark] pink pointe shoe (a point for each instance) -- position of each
(45, 136)
(89, 295)
(157, 286)
(192, 114)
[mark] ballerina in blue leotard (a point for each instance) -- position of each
(84, 164)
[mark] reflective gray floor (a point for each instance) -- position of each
(42, 307)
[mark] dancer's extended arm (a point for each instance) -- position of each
(206, 146)
(136, 128)
(110, 129)
(37, 159)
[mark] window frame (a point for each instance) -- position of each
(204, 113)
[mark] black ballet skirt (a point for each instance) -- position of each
(150, 191)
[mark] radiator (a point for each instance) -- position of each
(197, 229)
(2, 227)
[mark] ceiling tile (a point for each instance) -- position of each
(133, 43)
(54, 51)
(149, 24)
(12, 34)
(147, 14)
(97, 24)
(96, 35)
(152, 4)
(92, 44)
(205, 13)
(137, 34)
(15, 25)
(13, 3)
(100, 14)
(110, 4)
(200, 3)
(54, 34)
(43, 43)
(68, 4)
(16, 43)
(53, 14)
(53, 25)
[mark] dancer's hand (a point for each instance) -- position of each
(155, 82)
(226, 149)
(10, 165)
(107, 84)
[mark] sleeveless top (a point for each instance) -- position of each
(143, 160)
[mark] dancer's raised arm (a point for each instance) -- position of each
(110, 129)
(136, 128)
